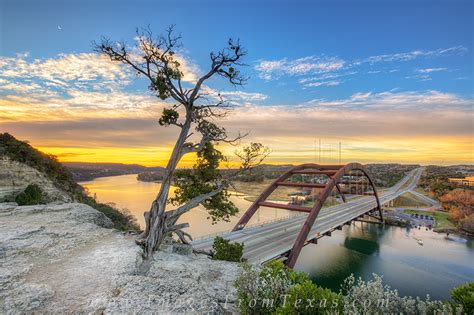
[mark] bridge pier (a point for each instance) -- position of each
(313, 241)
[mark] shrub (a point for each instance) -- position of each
(48, 164)
(32, 195)
(225, 250)
(275, 289)
(122, 220)
(308, 298)
(464, 296)
(263, 291)
(373, 297)
(468, 224)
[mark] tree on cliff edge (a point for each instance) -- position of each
(195, 113)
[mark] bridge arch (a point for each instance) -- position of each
(336, 175)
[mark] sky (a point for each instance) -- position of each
(390, 81)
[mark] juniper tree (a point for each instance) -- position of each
(194, 112)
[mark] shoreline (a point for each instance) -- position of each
(395, 221)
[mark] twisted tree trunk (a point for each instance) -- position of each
(157, 225)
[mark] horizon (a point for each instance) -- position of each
(392, 82)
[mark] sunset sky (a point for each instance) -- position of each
(392, 81)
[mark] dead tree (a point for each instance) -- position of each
(194, 111)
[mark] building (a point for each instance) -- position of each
(466, 181)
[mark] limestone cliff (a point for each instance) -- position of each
(15, 177)
(64, 258)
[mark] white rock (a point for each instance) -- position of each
(15, 177)
(61, 259)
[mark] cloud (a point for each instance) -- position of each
(323, 83)
(398, 101)
(85, 71)
(429, 70)
(326, 76)
(78, 104)
(244, 96)
(270, 69)
(422, 125)
(18, 86)
(65, 70)
(77, 86)
(403, 126)
(234, 97)
(420, 77)
(415, 54)
(322, 68)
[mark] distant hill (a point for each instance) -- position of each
(82, 171)
(384, 174)
(60, 176)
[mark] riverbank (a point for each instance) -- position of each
(438, 221)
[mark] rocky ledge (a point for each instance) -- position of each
(65, 258)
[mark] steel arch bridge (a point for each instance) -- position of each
(334, 176)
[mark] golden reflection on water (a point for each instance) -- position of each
(127, 192)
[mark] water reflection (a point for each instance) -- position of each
(362, 249)
(366, 247)
(126, 192)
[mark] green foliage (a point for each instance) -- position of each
(160, 83)
(387, 175)
(22, 152)
(275, 289)
(225, 250)
(168, 117)
(122, 220)
(263, 291)
(205, 178)
(373, 297)
(250, 177)
(161, 87)
(32, 195)
(210, 130)
(464, 296)
(435, 179)
(308, 298)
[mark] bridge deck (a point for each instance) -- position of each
(268, 241)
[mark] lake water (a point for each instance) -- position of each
(362, 249)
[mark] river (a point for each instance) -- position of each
(362, 249)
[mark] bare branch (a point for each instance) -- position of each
(182, 236)
(223, 63)
(177, 227)
(193, 203)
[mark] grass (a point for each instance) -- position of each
(423, 192)
(409, 200)
(442, 220)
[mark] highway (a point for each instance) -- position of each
(267, 241)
